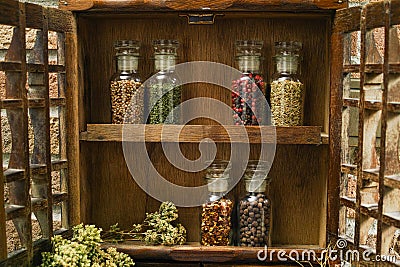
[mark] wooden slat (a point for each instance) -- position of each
(57, 102)
(335, 125)
(361, 132)
(33, 103)
(369, 104)
(392, 218)
(60, 20)
(193, 252)
(34, 16)
(372, 68)
(367, 210)
(12, 175)
(9, 12)
(347, 20)
(3, 236)
(15, 211)
(39, 204)
(56, 68)
(196, 133)
(60, 197)
(182, 5)
(392, 181)
(10, 66)
(57, 165)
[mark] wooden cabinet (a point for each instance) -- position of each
(306, 171)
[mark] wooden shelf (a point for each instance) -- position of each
(194, 252)
(196, 133)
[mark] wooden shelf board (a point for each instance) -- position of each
(194, 252)
(197, 133)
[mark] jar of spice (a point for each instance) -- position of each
(216, 212)
(247, 101)
(164, 85)
(254, 210)
(127, 97)
(287, 91)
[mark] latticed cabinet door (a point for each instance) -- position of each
(38, 128)
(366, 82)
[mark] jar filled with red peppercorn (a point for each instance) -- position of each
(216, 212)
(248, 91)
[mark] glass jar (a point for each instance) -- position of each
(254, 210)
(127, 97)
(287, 91)
(216, 212)
(246, 99)
(164, 86)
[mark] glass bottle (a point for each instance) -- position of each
(216, 212)
(127, 97)
(254, 210)
(287, 91)
(164, 86)
(246, 99)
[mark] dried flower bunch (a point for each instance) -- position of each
(157, 228)
(83, 250)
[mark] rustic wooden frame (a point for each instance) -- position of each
(27, 95)
(383, 175)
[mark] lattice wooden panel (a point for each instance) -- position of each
(27, 105)
(370, 169)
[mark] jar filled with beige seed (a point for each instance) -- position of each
(127, 95)
(287, 91)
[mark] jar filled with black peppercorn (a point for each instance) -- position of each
(216, 212)
(287, 91)
(127, 96)
(164, 86)
(254, 210)
(249, 91)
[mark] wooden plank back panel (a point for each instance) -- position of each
(115, 197)
(196, 44)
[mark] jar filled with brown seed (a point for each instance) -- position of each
(254, 210)
(216, 212)
(127, 95)
(287, 91)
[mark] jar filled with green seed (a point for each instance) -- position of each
(164, 86)
(287, 91)
(127, 95)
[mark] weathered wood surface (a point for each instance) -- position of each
(196, 133)
(348, 19)
(213, 254)
(182, 5)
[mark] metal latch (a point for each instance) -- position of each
(201, 18)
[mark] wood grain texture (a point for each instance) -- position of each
(9, 12)
(197, 133)
(298, 170)
(181, 5)
(70, 144)
(219, 255)
(335, 126)
(103, 32)
(3, 237)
